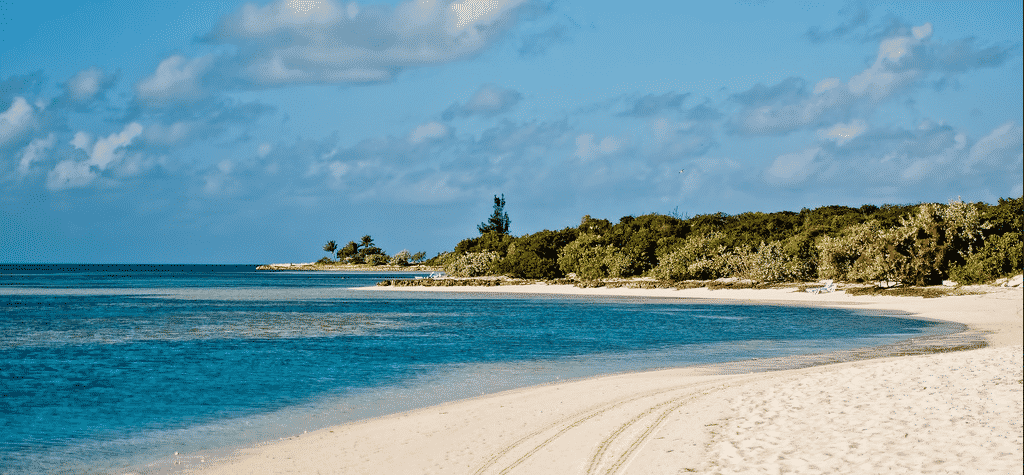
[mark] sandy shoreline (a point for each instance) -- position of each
(955, 412)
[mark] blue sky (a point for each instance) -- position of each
(234, 132)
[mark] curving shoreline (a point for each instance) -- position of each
(314, 267)
(682, 420)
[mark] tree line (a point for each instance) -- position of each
(920, 244)
(365, 252)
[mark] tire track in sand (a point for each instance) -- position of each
(567, 423)
(571, 421)
(674, 405)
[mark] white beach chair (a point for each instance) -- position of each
(828, 287)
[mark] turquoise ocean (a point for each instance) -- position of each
(114, 368)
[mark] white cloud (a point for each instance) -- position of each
(793, 168)
(102, 154)
(17, 119)
(108, 149)
(880, 83)
(922, 32)
(213, 184)
(176, 78)
(901, 64)
(884, 77)
(587, 147)
(254, 21)
(428, 131)
(332, 42)
(435, 188)
(892, 49)
(82, 140)
(842, 133)
(1018, 188)
(219, 180)
(337, 169)
(468, 12)
(665, 130)
(674, 139)
(654, 104)
(937, 154)
(491, 99)
(179, 126)
(788, 106)
(488, 101)
(69, 174)
(136, 163)
(928, 155)
(917, 170)
(34, 151)
(707, 176)
(826, 85)
(530, 154)
(87, 85)
(305, 6)
(999, 145)
(168, 134)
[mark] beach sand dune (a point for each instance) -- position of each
(958, 412)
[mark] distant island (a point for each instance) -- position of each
(888, 246)
(335, 266)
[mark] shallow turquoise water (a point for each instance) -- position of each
(108, 368)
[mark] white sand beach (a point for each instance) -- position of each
(958, 412)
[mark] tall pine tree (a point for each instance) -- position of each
(498, 222)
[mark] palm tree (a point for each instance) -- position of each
(367, 241)
(330, 247)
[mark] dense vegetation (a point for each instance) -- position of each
(913, 244)
(365, 252)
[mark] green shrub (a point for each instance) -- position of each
(698, 257)
(637, 241)
(920, 250)
(1001, 256)
(473, 264)
(490, 241)
(1007, 216)
(963, 228)
(535, 256)
(623, 263)
(442, 259)
(769, 263)
(925, 245)
(594, 226)
(858, 254)
(587, 257)
(376, 259)
(348, 250)
(401, 258)
(525, 263)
